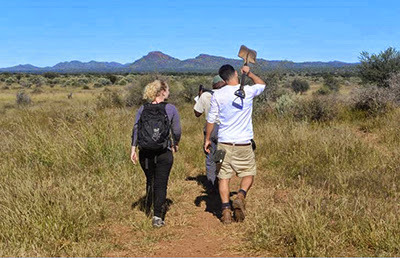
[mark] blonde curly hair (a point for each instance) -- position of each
(153, 89)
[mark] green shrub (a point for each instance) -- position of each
(331, 83)
(109, 99)
(272, 91)
(134, 96)
(38, 80)
(191, 87)
(52, 82)
(373, 101)
(319, 108)
(300, 86)
(122, 82)
(130, 78)
(113, 78)
(10, 80)
(24, 82)
(323, 90)
(394, 86)
(103, 82)
(285, 104)
(50, 75)
(72, 82)
(83, 80)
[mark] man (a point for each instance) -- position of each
(203, 106)
(234, 137)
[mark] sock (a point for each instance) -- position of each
(243, 192)
(226, 205)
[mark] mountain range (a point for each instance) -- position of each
(157, 61)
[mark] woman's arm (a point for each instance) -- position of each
(175, 124)
(134, 135)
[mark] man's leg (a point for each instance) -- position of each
(224, 190)
(224, 176)
(214, 145)
(224, 193)
(239, 204)
(246, 168)
(246, 183)
(211, 166)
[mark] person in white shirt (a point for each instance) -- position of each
(203, 106)
(234, 137)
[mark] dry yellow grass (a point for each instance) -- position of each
(67, 185)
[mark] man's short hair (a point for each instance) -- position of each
(226, 72)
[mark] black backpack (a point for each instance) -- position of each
(154, 127)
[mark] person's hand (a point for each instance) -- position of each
(175, 148)
(133, 155)
(245, 69)
(207, 145)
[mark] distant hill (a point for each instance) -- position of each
(92, 66)
(157, 61)
(21, 68)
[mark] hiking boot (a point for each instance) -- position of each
(239, 208)
(226, 216)
(157, 222)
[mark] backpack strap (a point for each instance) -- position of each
(209, 91)
(164, 104)
(171, 135)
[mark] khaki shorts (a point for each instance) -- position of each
(238, 159)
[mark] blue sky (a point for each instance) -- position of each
(44, 32)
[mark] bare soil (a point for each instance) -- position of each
(193, 229)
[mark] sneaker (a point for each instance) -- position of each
(158, 222)
(226, 216)
(239, 208)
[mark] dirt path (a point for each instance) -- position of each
(203, 238)
(193, 229)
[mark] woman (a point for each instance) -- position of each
(156, 133)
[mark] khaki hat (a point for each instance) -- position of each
(217, 79)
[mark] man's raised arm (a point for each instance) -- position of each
(257, 80)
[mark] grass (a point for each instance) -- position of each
(67, 184)
(336, 191)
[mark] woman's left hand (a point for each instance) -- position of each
(175, 148)
(133, 155)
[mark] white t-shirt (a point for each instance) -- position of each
(234, 113)
(203, 103)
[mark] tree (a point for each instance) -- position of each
(300, 86)
(377, 69)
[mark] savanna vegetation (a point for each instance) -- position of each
(328, 166)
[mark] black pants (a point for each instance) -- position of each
(156, 167)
